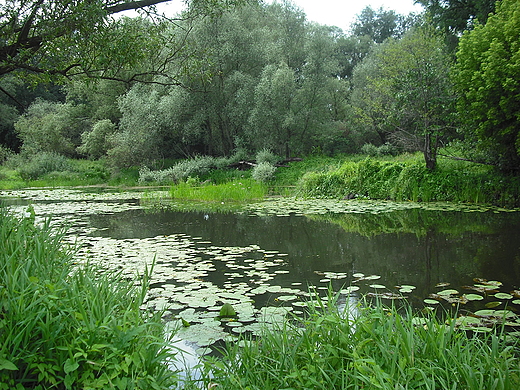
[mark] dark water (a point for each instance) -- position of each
(416, 247)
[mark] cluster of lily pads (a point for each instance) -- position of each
(243, 279)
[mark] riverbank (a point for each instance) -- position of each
(401, 178)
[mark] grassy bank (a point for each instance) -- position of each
(452, 181)
(379, 349)
(70, 327)
(402, 178)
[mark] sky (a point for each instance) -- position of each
(340, 13)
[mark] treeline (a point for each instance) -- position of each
(260, 76)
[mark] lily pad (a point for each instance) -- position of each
(491, 305)
(227, 311)
(377, 286)
(503, 296)
(430, 301)
(474, 297)
(448, 292)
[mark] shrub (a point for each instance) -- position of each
(188, 168)
(43, 163)
(263, 172)
(94, 142)
(5, 154)
(370, 150)
(266, 155)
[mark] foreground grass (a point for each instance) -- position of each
(69, 327)
(379, 349)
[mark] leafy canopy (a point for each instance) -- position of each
(488, 65)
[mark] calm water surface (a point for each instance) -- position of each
(416, 247)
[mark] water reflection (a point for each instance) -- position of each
(415, 247)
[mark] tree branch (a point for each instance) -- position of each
(130, 5)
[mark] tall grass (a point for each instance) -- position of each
(379, 349)
(410, 180)
(235, 191)
(68, 327)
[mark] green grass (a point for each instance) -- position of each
(233, 191)
(408, 179)
(382, 348)
(66, 326)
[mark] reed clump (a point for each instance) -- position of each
(378, 348)
(233, 191)
(65, 326)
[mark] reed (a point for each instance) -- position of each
(234, 191)
(68, 327)
(381, 348)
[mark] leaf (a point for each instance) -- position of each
(503, 296)
(377, 286)
(491, 305)
(448, 292)
(227, 311)
(474, 297)
(431, 301)
(70, 366)
(7, 365)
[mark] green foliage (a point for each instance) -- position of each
(235, 191)
(41, 164)
(403, 91)
(266, 155)
(263, 172)
(488, 64)
(95, 142)
(339, 346)
(69, 326)
(51, 127)
(410, 180)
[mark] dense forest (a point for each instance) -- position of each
(82, 80)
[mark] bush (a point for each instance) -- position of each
(188, 168)
(266, 156)
(43, 163)
(263, 172)
(5, 154)
(94, 142)
(71, 327)
(370, 150)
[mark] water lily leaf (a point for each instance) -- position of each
(227, 311)
(516, 301)
(491, 305)
(349, 289)
(439, 285)
(377, 286)
(485, 313)
(373, 277)
(448, 292)
(503, 296)
(474, 297)
(407, 287)
(405, 290)
(430, 301)
(358, 275)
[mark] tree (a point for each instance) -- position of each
(381, 24)
(487, 77)
(403, 88)
(63, 37)
(456, 16)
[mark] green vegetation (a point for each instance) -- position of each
(67, 326)
(343, 347)
(237, 191)
(454, 181)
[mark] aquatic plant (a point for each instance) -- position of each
(237, 190)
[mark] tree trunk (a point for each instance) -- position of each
(430, 152)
